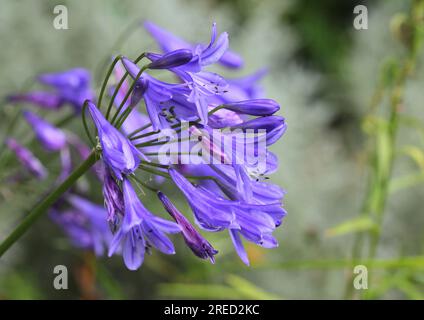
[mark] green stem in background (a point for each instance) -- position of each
(28, 83)
(378, 188)
(9, 129)
(46, 203)
(396, 100)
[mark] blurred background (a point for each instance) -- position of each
(323, 72)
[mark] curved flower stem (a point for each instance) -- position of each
(154, 142)
(105, 81)
(84, 122)
(17, 113)
(122, 116)
(132, 136)
(143, 166)
(139, 130)
(115, 93)
(46, 203)
(8, 130)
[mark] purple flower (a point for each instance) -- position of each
(275, 127)
(169, 42)
(203, 84)
(224, 118)
(244, 88)
(84, 224)
(72, 86)
(206, 55)
(27, 159)
(211, 213)
(47, 100)
(160, 96)
(114, 201)
(249, 190)
(140, 229)
(169, 60)
(256, 222)
(194, 240)
(52, 138)
(118, 152)
(255, 107)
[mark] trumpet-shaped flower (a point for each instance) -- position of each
(118, 152)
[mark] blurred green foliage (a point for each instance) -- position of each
(339, 89)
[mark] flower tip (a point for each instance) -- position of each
(130, 66)
(88, 102)
(171, 59)
(160, 195)
(111, 252)
(147, 24)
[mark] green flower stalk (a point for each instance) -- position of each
(47, 202)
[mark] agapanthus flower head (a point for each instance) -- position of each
(51, 137)
(194, 240)
(27, 159)
(230, 194)
(118, 153)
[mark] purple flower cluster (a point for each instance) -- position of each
(223, 196)
(232, 194)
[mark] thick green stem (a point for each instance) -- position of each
(46, 203)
